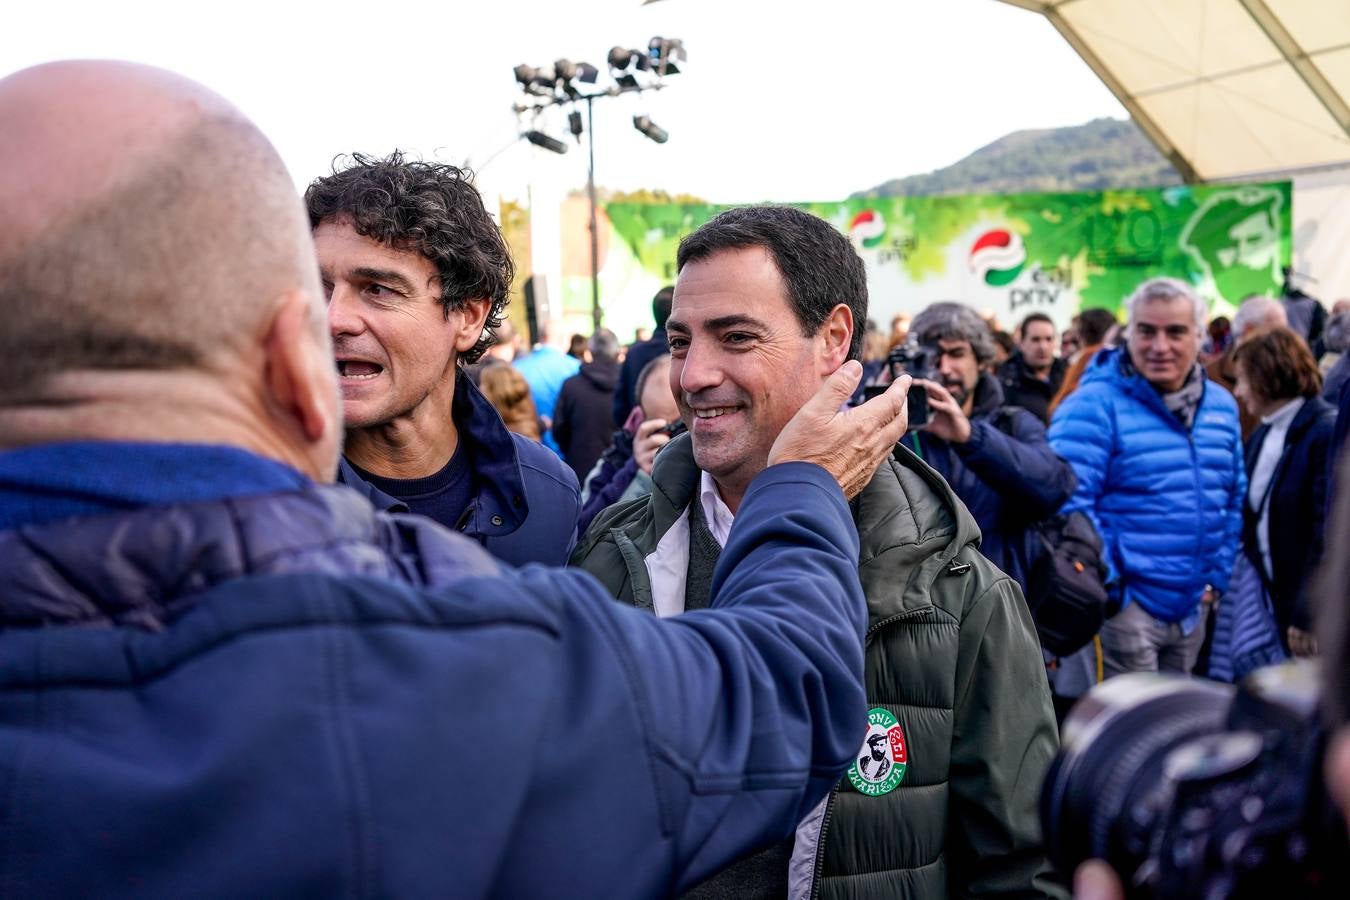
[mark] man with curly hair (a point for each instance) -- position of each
(416, 274)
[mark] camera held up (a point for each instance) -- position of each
(918, 362)
(1197, 789)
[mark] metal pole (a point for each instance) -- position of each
(595, 235)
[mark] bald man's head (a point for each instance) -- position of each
(153, 227)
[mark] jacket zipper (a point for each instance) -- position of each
(1198, 554)
(829, 804)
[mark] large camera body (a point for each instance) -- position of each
(1196, 789)
(919, 363)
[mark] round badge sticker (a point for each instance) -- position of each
(880, 765)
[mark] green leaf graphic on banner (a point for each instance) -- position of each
(1009, 254)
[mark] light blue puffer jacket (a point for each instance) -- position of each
(1167, 502)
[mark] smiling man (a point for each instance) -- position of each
(768, 303)
(415, 272)
(1158, 455)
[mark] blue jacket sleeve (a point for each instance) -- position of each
(686, 743)
(1022, 465)
(1082, 432)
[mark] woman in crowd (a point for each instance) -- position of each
(1283, 518)
(508, 391)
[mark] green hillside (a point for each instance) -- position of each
(1104, 153)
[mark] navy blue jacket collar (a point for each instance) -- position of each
(499, 505)
(1313, 408)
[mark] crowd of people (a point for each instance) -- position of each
(323, 577)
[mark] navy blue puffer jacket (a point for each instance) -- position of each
(290, 695)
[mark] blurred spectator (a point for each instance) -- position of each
(641, 334)
(1069, 343)
(545, 369)
(625, 392)
(1306, 315)
(1159, 463)
(1339, 441)
(503, 350)
(1033, 375)
(505, 342)
(1218, 339)
(1320, 350)
(624, 471)
(1095, 324)
(899, 330)
(509, 393)
(1004, 348)
(994, 456)
(876, 347)
(581, 417)
(1073, 375)
(1287, 464)
(1255, 312)
(1092, 326)
(576, 347)
(1337, 340)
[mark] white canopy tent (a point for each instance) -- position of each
(1236, 90)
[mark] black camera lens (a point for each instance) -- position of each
(1104, 793)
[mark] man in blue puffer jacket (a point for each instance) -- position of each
(1158, 455)
(221, 675)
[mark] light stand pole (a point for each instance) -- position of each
(556, 84)
(595, 228)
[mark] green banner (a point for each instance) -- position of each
(1006, 254)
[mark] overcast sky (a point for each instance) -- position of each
(782, 99)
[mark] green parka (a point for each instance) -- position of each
(951, 653)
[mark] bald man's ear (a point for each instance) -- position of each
(300, 378)
(836, 334)
(469, 319)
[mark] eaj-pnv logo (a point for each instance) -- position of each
(867, 228)
(997, 257)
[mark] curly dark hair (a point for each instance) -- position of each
(432, 208)
(818, 264)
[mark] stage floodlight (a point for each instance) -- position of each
(620, 58)
(547, 141)
(650, 129)
(587, 73)
(574, 124)
(525, 74)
